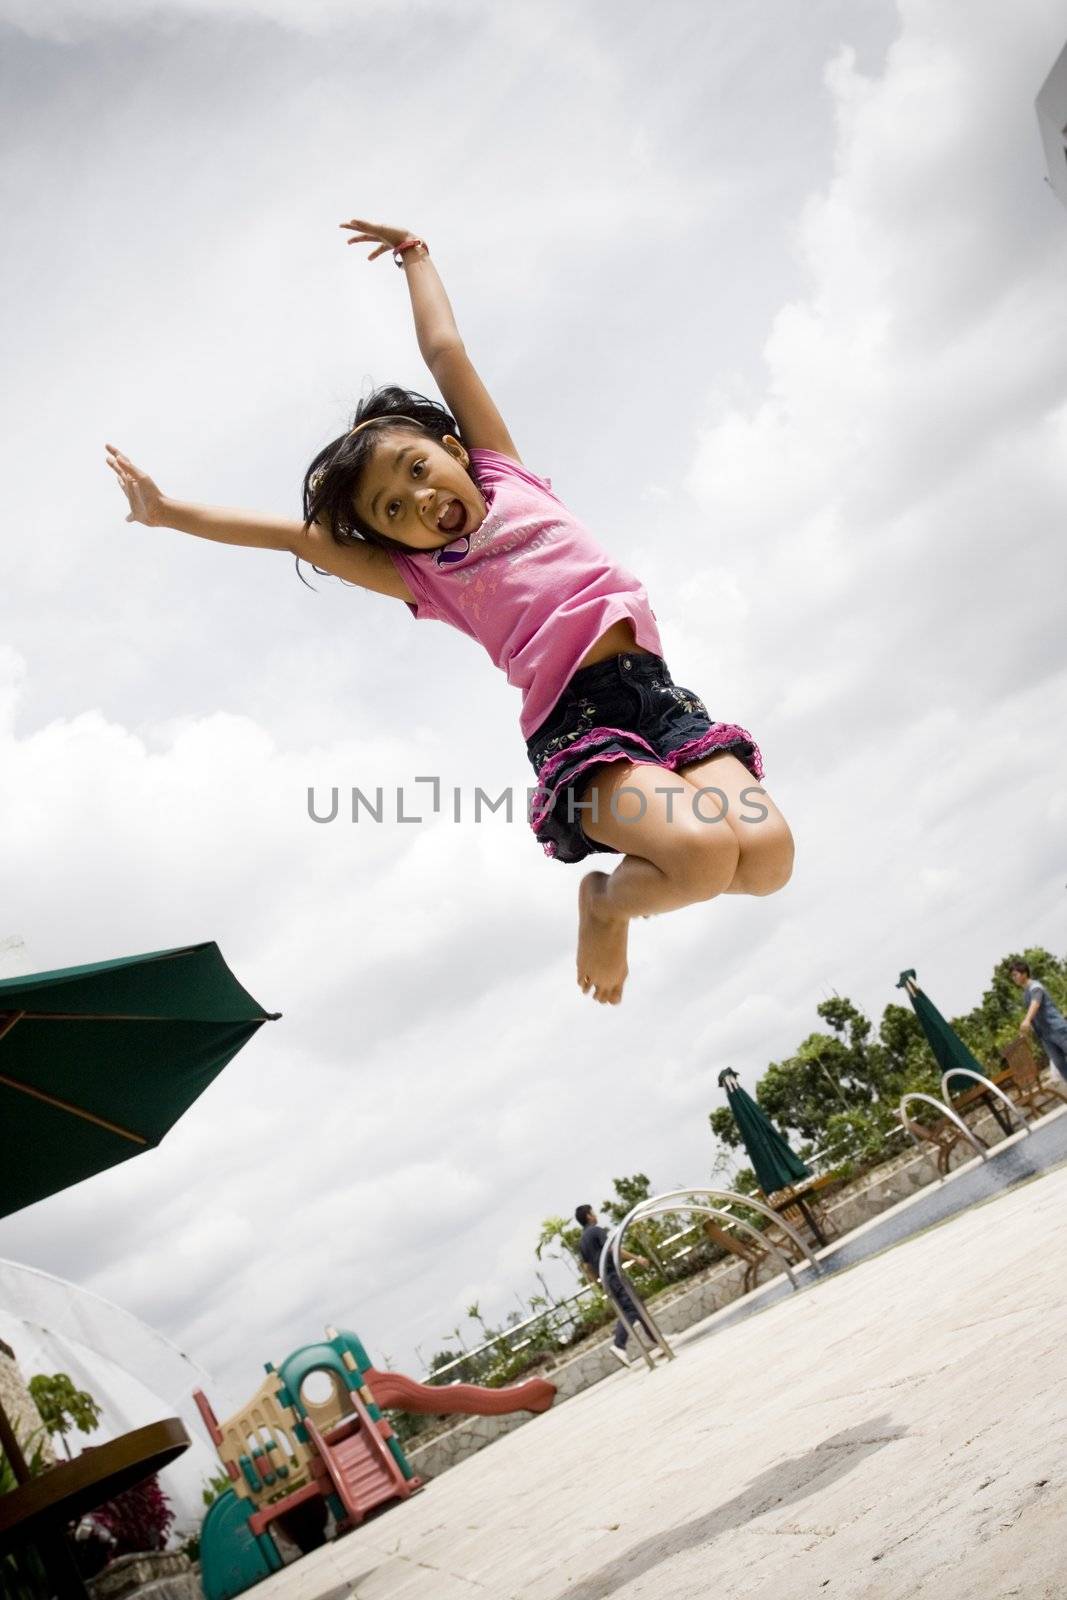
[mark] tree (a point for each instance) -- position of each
(906, 1054)
(840, 1090)
(995, 1020)
(724, 1128)
(725, 1172)
(62, 1406)
(629, 1192)
(442, 1358)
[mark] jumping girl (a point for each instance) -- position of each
(433, 507)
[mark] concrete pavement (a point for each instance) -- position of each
(896, 1432)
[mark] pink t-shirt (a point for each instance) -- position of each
(531, 584)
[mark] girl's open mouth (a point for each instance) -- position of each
(452, 518)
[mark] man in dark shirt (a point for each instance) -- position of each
(1043, 1016)
(590, 1248)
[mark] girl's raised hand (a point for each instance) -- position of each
(374, 233)
(146, 502)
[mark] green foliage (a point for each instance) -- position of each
(215, 1486)
(475, 1314)
(995, 1020)
(22, 1576)
(844, 1071)
(856, 1139)
(501, 1360)
(32, 1449)
(32, 1453)
(629, 1192)
(62, 1406)
(724, 1128)
(839, 1091)
(558, 1240)
(649, 1237)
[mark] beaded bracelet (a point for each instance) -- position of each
(407, 244)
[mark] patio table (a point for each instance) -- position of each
(37, 1512)
(800, 1195)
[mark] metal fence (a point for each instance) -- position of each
(558, 1324)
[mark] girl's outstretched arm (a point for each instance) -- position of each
(365, 565)
(442, 349)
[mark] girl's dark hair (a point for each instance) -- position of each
(331, 481)
(1020, 966)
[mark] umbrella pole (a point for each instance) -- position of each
(10, 1446)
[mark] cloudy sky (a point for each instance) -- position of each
(775, 295)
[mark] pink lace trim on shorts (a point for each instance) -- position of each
(723, 733)
(597, 734)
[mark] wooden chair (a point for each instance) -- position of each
(745, 1250)
(943, 1133)
(1026, 1086)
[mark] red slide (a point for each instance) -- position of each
(393, 1390)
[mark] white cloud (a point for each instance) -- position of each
(71, 21)
(860, 565)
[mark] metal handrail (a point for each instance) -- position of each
(660, 1205)
(642, 1308)
(939, 1105)
(730, 1197)
(506, 1334)
(980, 1077)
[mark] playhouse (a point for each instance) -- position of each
(312, 1442)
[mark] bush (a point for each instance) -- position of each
(134, 1522)
(860, 1137)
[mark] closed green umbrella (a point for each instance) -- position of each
(775, 1164)
(949, 1049)
(97, 1063)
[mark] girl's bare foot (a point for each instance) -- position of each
(602, 940)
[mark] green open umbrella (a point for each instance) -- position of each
(775, 1164)
(949, 1049)
(97, 1063)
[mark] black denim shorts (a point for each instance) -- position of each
(627, 708)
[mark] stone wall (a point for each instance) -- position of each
(23, 1415)
(155, 1575)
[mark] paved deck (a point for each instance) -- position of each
(896, 1432)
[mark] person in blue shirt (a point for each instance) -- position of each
(1043, 1017)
